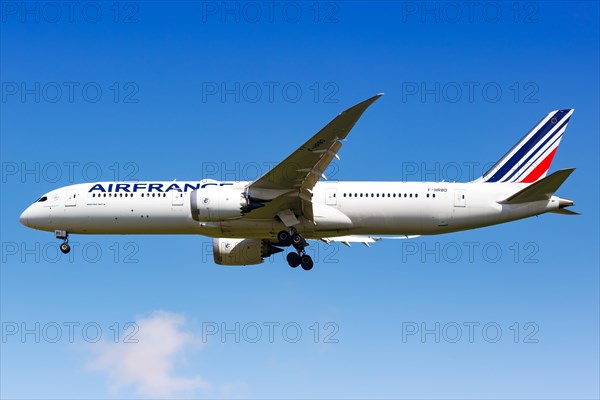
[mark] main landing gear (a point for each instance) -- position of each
(64, 246)
(299, 257)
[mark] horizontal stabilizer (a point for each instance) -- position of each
(540, 190)
(564, 211)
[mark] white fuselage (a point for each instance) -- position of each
(340, 208)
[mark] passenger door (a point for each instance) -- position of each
(331, 197)
(71, 198)
(177, 199)
(459, 198)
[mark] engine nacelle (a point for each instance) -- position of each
(242, 251)
(218, 203)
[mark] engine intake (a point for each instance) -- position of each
(242, 251)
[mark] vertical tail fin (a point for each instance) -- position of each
(530, 159)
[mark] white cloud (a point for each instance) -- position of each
(148, 366)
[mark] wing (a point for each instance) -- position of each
(290, 182)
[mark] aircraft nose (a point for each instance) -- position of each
(24, 218)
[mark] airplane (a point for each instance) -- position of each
(293, 202)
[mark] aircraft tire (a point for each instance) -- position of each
(293, 259)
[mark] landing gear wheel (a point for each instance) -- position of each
(293, 259)
(65, 248)
(297, 241)
(64, 235)
(284, 238)
(306, 262)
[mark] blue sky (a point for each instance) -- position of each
(155, 91)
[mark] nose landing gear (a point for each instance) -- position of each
(64, 246)
(299, 257)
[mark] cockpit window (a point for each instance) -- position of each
(42, 199)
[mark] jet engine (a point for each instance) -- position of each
(242, 251)
(218, 203)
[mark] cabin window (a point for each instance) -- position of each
(434, 195)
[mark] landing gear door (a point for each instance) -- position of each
(459, 198)
(177, 199)
(71, 198)
(331, 197)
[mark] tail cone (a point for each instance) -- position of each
(562, 203)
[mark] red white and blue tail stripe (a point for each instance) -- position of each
(530, 159)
